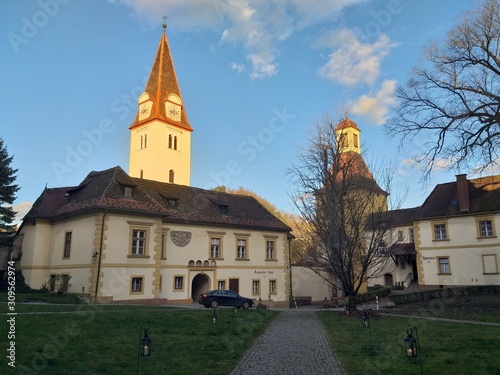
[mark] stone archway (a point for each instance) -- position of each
(200, 284)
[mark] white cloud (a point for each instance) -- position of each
(259, 25)
(238, 67)
(21, 209)
(353, 62)
(376, 107)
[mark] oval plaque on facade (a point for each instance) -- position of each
(180, 238)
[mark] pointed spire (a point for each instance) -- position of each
(161, 85)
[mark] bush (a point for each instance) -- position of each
(400, 299)
(380, 292)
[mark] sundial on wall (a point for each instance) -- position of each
(180, 238)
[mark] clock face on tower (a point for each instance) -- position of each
(173, 111)
(144, 111)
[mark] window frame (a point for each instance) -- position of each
(67, 244)
(256, 287)
(273, 289)
(134, 247)
(411, 235)
(215, 248)
(448, 265)
(443, 224)
(175, 283)
(221, 284)
(141, 284)
(483, 256)
(483, 219)
(139, 226)
(238, 238)
(274, 241)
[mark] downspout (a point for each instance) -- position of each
(100, 256)
(290, 297)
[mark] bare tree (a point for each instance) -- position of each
(453, 98)
(335, 195)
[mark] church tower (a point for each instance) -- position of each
(160, 136)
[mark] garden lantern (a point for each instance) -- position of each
(214, 317)
(145, 344)
(235, 309)
(410, 344)
(366, 319)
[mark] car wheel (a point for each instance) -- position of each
(214, 304)
(246, 304)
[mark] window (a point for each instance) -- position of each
(67, 244)
(144, 141)
(52, 283)
(444, 265)
(178, 283)
(170, 141)
(400, 235)
(138, 242)
(272, 286)
(127, 192)
(64, 282)
(136, 284)
(175, 143)
(160, 287)
(164, 246)
(241, 249)
(485, 228)
(382, 249)
(221, 284)
(269, 250)
(412, 235)
(440, 232)
(171, 174)
(355, 140)
(215, 247)
(255, 286)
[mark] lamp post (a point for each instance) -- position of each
(144, 345)
(412, 346)
(366, 319)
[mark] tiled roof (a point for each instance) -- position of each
(105, 190)
(393, 218)
(484, 196)
(162, 82)
(402, 249)
(358, 174)
(346, 123)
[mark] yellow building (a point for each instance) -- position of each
(147, 236)
(160, 136)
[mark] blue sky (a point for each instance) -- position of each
(254, 76)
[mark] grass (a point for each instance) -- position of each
(103, 339)
(446, 347)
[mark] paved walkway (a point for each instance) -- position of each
(294, 344)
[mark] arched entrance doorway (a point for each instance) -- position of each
(200, 284)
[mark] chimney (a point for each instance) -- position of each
(463, 192)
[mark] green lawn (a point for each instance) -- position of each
(445, 347)
(97, 339)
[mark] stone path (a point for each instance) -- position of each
(294, 344)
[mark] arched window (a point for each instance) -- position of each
(142, 142)
(175, 143)
(171, 176)
(141, 173)
(170, 141)
(145, 140)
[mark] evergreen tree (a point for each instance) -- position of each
(7, 189)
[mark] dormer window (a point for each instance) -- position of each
(128, 192)
(223, 209)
